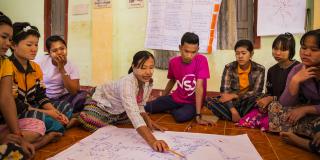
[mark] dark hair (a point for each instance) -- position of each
(21, 30)
(54, 38)
(139, 59)
(285, 42)
(190, 38)
(244, 43)
(315, 33)
(5, 19)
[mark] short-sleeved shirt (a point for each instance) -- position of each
(5, 67)
(186, 76)
(5, 70)
(52, 77)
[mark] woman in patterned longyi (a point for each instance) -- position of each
(123, 100)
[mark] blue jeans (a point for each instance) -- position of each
(181, 112)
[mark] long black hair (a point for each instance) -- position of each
(139, 59)
(5, 20)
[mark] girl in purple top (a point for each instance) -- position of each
(300, 116)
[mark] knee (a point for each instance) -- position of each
(32, 128)
(147, 107)
(152, 107)
(214, 103)
(182, 117)
(274, 107)
(209, 101)
(31, 136)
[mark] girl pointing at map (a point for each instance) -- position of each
(123, 101)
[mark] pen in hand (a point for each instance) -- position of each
(176, 153)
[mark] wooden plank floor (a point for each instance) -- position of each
(270, 146)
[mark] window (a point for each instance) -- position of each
(237, 20)
(56, 18)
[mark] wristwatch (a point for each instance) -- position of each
(198, 115)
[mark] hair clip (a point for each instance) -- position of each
(27, 28)
(288, 35)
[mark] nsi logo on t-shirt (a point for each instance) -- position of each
(188, 83)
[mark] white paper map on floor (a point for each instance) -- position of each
(111, 143)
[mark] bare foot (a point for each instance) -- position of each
(75, 115)
(54, 136)
(295, 140)
(50, 137)
(72, 123)
(235, 115)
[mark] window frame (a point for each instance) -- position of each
(48, 21)
(256, 38)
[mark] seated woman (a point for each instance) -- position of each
(123, 101)
(60, 76)
(283, 50)
(12, 143)
(300, 116)
(29, 129)
(29, 90)
(242, 82)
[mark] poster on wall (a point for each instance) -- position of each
(169, 20)
(135, 3)
(80, 9)
(102, 4)
(280, 16)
